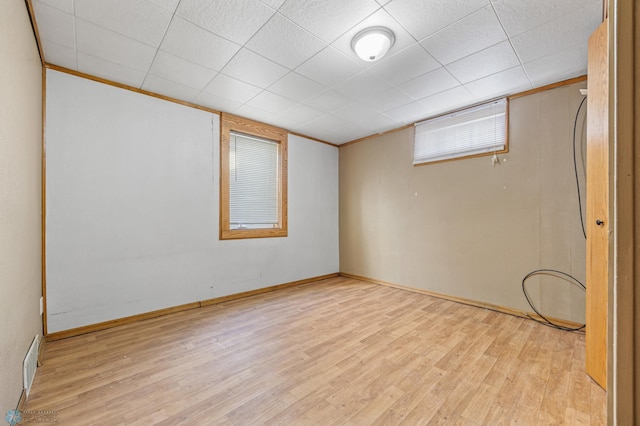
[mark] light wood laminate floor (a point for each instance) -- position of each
(338, 351)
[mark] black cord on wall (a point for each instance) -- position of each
(575, 168)
(552, 272)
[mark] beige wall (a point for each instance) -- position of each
(20, 196)
(465, 228)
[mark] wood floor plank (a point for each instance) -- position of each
(337, 351)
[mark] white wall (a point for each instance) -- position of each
(132, 208)
(20, 196)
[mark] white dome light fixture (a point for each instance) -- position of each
(372, 43)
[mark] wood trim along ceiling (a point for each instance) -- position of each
(397, 129)
(36, 32)
(470, 302)
(549, 87)
(194, 305)
(163, 97)
(509, 98)
(312, 138)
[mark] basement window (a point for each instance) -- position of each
(253, 179)
(471, 132)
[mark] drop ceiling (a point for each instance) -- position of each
(289, 62)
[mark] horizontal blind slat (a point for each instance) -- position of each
(253, 181)
(480, 129)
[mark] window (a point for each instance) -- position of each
(253, 179)
(471, 132)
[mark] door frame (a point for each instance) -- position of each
(624, 288)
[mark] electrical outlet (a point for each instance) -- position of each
(41, 305)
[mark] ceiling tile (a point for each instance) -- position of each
(190, 42)
(567, 32)
(407, 113)
(284, 42)
(518, 16)
(327, 121)
(380, 18)
(254, 69)
(446, 101)
(169, 5)
(302, 113)
(296, 87)
(405, 65)
(329, 67)
(429, 84)
(274, 4)
(284, 122)
(219, 103)
(362, 85)
(558, 66)
(58, 54)
(235, 20)
(184, 72)
(506, 82)
(113, 47)
(110, 71)
(287, 75)
(439, 103)
(384, 123)
(350, 132)
(386, 99)
(55, 25)
(169, 88)
(424, 17)
(328, 19)
(367, 118)
(271, 102)
(471, 34)
(486, 62)
(354, 111)
(232, 89)
(63, 5)
(256, 114)
(327, 101)
(136, 19)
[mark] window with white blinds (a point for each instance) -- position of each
(253, 182)
(253, 179)
(480, 130)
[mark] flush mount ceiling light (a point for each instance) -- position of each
(372, 43)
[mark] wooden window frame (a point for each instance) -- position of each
(232, 123)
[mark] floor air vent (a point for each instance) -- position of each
(30, 364)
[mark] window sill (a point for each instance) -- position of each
(237, 234)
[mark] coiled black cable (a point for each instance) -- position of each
(545, 320)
